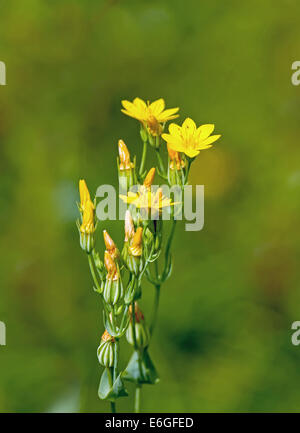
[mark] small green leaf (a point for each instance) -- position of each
(111, 393)
(144, 373)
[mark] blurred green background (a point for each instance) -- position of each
(223, 340)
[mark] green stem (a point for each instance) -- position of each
(190, 160)
(161, 164)
(143, 161)
(93, 273)
(171, 236)
(116, 359)
(110, 380)
(155, 308)
(137, 400)
(138, 385)
(158, 286)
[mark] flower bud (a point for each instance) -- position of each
(129, 226)
(113, 288)
(176, 168)
(125, 168)
(124, 155)
(87, 228)
(136, 245)
(84, 194)
(105, 351)
(110, 246)
(144, 135)
(149, 178)
(142, 333)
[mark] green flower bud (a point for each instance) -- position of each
(126, 169)
(142, 333)
(113, 287)
(113, 291)
(99, 265)
(87, 242)
(144, 134)
(105, 351)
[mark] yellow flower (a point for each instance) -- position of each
(84, 194)
(151, 115)
(146, 199)
(189, 139)
(88, 225)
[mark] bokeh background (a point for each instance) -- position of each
(223, 340)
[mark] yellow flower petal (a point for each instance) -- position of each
(191, 152)
(175, 129)
(205, 130)
(210, 140)
(157, 107)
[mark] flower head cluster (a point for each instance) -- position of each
(119, 275)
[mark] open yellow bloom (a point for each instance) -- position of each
(151, 115)
(147, 199)
(189, 139)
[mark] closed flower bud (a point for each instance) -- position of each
(176, 168)
(136, 245)
(105, 351)
(144, 135)
(175, 159)
(84, 194)
(142, 333)
(125, 168)
(149, 178)
(110, 246)
(132, 250)
(87, 228)
(113, 288)
(111, 267)
(129, 226)
(124, 155)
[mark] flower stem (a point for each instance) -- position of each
(98, 287)
(116, 359)
(137, 400)
(138, 385)
(110, 380)
(161, 164)
(155, 308)
(143, 161)
(163, 277)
